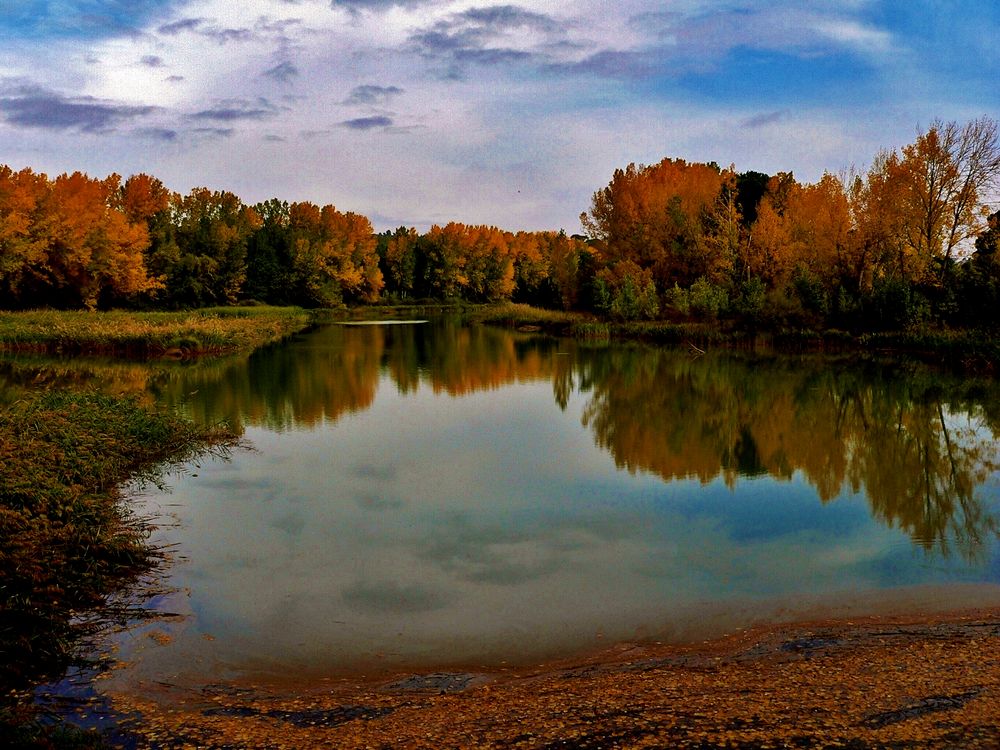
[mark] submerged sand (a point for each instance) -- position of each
(886, 682)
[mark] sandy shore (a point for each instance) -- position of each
(927, 682)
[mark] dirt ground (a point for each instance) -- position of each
(932, 682)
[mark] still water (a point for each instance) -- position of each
(427, 495)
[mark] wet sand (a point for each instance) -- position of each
(929, 681)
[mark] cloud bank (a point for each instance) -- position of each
(423, 111)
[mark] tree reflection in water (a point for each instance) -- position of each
(919, 445)
(919, 456)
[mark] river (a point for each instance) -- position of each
(433, 495)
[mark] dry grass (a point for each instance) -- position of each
(207, 331)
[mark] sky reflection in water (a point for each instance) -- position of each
(438, 494)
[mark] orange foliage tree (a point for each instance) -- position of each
(23, 244)
(661, 218)
(67, 242)
(334, 254)
(473, 262)
(800, 228)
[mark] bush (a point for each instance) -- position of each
(626, 292)
(708, 300)
(846, 312)
(811, 293)
(678, 300)
(894, 305)
(751, 302)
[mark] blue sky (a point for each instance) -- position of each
(424, 111)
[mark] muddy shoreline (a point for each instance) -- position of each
(927, 681)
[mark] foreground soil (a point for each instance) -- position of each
(878, 683)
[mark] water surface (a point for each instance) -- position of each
(431, 494)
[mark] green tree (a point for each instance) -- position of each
(625, 291)
(270, 276)
(205, 259)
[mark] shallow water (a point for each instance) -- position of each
(432, 494)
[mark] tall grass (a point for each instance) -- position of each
(516, 315)
(206, 331)
(966, 350)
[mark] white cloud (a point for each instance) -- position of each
(855, 34)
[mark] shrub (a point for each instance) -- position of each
(678, 300)
(895, 305)
(626, 292)
(811, 293)
(708, 300)
(751, 302)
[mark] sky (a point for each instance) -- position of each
(420, 112)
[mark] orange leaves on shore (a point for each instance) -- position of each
(473, 261)
(904, 221)
(770, 245)
(22, 244)
(800, 227)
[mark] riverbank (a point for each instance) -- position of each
(962, 350)
(209, 331)
(899, 682)
(74, 556)
(76, 560)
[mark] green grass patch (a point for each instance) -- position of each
(208, 331)
(71, 549)
(519, 315)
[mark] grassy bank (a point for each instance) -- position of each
(71, 550)
(207, 331)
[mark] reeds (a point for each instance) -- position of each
(516, 314)
(207, 331)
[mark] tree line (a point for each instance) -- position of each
(911, 240)
(76, 241)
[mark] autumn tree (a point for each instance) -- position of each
(943, 178)
(333, 255)
(444, 250)
(489, 267)
(568, 261)
(659, 217)
(146, 200)
(878, 250)
(528, 251)
(93, 247)
(142, 198)
(801, 229)
(353, 256)
(23, 243)
(770, 252)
